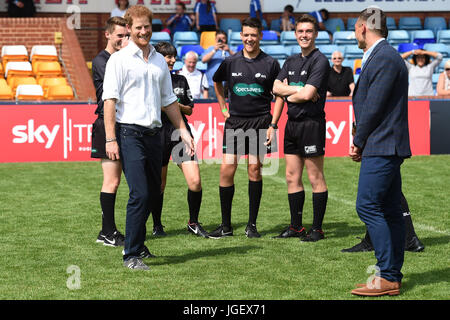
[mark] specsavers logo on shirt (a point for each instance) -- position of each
(299, 84)
(243, 89)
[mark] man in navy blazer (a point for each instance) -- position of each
(381, 143)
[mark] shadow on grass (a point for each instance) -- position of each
(425, 278)
(435, 241)
(164, 260)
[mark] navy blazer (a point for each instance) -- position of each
(380, 103)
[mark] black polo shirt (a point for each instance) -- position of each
(98, 74)
(183, 93)
(300, 71)
(338, 83)
(250, 83)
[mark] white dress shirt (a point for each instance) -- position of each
(140, 88)
(197, 82)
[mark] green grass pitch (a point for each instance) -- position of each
(50, 217)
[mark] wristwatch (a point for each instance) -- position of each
(273, 125)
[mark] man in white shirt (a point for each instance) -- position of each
(137, 85)
(197, 80)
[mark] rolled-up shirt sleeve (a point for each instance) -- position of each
(167, 95)
(113, 79)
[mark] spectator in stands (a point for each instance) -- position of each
(321, 16)
(421, 71)
(340, 81)
(214, 56)
(255, 9)
(180, 21)
(22, 8)
(197, 80)
(122, 6)
(205, 16)
(443, 85)
(287, 20)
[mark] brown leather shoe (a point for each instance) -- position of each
(378, 287)
(362, 285)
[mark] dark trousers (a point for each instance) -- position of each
(378, 206)
(140, 151)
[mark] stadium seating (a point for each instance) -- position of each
(29, 92)
(159, 36)
(17, 81)
(235, 38)
(207, 39)
(5, 90)
(275, 25)
(348, 63)
(390, 23)
(423, 36)
(269, 37)
(357, 66)
(441, 66)
(438, 47)
(294, 50)
(181, 38)
(18, 68)
(2, 71)
(396, 37)
(232, 24)
(435, 24)
(323, 38)
(353, 52)
(157, 25)
(43, 53)
(443, 36)
(177, 66)
(192, 47)
(14, 53)
(48, 69)
(60, 92)
(409, 23)
(434, 80)
(328, 49)
(351, 24)
(334, 24)
(45, 83)
(202, 66)
(287, 38)
(276, 51)
(344, 37)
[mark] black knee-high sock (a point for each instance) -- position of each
(254, 197)
(319, 207)
(226, 200)
(296, 202)
(157, 211)
(194, 201)
(409, 227)
(107, 203)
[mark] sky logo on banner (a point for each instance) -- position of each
(42, 134)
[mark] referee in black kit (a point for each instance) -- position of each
(250, 74)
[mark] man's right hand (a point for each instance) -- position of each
(112, 150)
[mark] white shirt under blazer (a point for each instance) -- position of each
(140, 88)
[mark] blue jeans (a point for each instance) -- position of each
(141, 153)
(378, 206)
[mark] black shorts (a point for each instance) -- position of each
(98, 139)
(305, 137)
(243, 136)
(175, 148)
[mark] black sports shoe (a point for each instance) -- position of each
(291, 232)
(158, 231)
(363, 246)
(115, 240)
(313, 235)
(414, 245)
(145, 253)
(197, 229)
(101, 237)
(251, 231)
(221, 232)
(135, 264)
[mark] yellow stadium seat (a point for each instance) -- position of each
(43, 53)
(357, 65)
(207, 39)
(2, 71)
(49, 82)
(29, 92)
(14, 53)
(5, 91)
(16, 81)
(47, 69)
(62, 92)
(18, 69)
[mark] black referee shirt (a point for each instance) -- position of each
(98, 74)
(250, 83)
(183, 93)
(300, 71)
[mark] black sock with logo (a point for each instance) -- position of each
(107, 203)
(194, 201)
(409, 227)
(254, 197)
(296, 202)
(319, 206)
(226, 200)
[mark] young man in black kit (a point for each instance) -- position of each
(250, 74)
(172, 145)
(116, 33)
(303, 81)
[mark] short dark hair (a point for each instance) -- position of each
(112, 22)
(307, 18)
(166, 49)
(289, 8)
(221, 32)
(325, 14)
(380, 26)
(252, 23)
(427, 59)
(181, 4)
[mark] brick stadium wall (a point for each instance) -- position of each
(40, 31)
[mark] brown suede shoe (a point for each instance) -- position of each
(362, 285)
(378, 287)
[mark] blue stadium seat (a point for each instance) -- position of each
(398, 36)
(353, 52)
(323, 37)
(423, 36)
(409, 23)
(288, 38)
(226, 24)
(434, 79)
(275, 25)
(334, 24)
(269, 37)
(202, 66)
(264, 24)
(435, 24)
(234, 38)
(177, 66)
(443, 36)
(390, 23)
(294, 50)
(160, 36)
(181, 38)
(351, 24)
(405, 47)
(356, 77)
(281, 62)
(344, 37)
(191, 47)
(441, 66)
(438, 47)
(328, 49)
(348, 63)
(276, 51)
